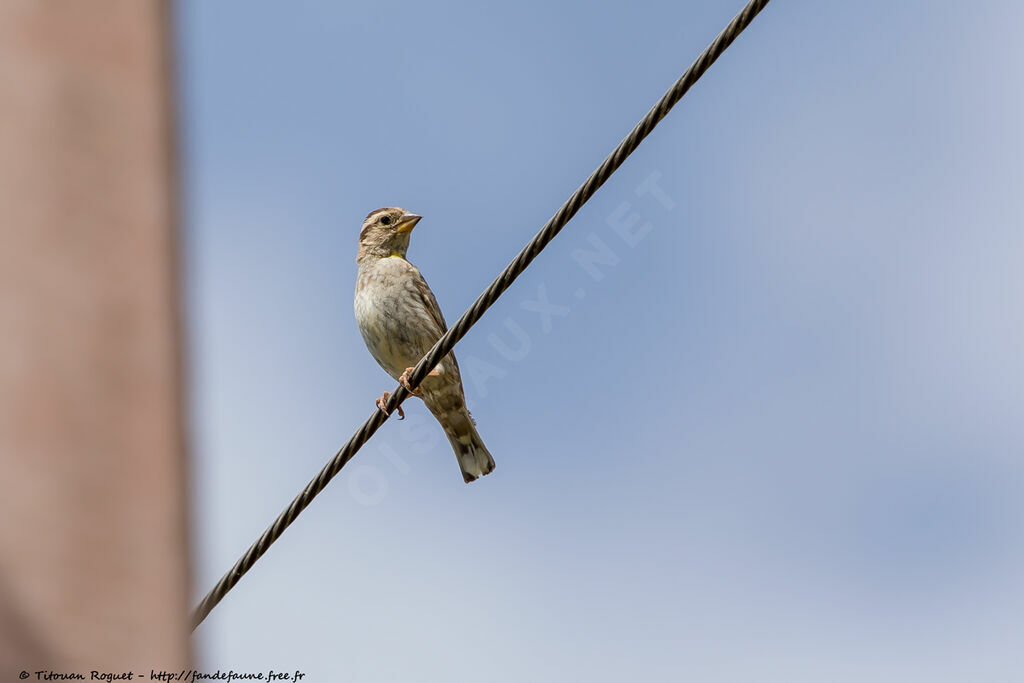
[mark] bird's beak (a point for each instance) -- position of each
(407, 222)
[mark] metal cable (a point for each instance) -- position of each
(445, 344)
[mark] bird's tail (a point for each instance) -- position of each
(474, 458)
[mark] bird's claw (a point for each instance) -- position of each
(382, 405)
(404, 379)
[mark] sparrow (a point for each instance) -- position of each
(400, 321)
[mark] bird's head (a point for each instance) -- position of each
(386, 233)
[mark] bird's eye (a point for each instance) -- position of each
(385, 220)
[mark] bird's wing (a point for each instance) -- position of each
(425, 300)
(422, 295)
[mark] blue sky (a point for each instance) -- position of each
(777, 438)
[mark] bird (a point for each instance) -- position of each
(400, 320)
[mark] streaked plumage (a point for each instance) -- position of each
(400, 321)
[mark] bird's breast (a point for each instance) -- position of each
(382, 312)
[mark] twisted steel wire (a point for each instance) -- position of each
(514, 269)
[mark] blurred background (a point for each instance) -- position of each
(757, 412)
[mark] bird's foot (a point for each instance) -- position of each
(382, 405)
(404, 379)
